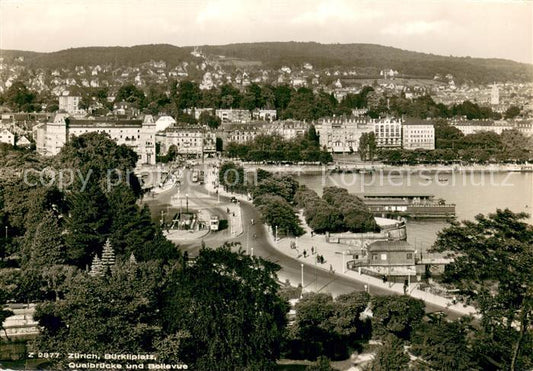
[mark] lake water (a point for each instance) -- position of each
(472, 193)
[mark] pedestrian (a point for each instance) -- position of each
(312, 250)
(305, 253)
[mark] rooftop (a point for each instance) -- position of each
(391, 246)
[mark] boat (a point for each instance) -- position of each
(408, 204)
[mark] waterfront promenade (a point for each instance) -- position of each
(333, 256)
(335, 259)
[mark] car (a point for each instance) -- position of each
(234, 200)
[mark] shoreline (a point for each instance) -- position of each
(386, 169)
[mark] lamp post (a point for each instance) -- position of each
(302, 266)
(276, 236)
(6, 232)
(187, 202)
(252, 252)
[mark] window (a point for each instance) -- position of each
(374, 256)
(409, 255)
(383, 256)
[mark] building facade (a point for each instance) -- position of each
(7, 137)
(139, 135)
(70, 104)
(188, 141)
(265, 114)
(418, 136)
(477, 126)
(342, 135)
(388, 133)
(233, 115)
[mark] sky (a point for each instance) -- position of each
(477, 28)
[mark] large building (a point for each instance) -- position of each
(233, 115)
(239, 133)
(136, 134)
(341, 135)
(388, 133)
(243, 133)
(70, 104)
(477, 126)
(288, 129)
(418, 135)
(188, 140)
(264, 114)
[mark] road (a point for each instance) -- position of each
(315, 279)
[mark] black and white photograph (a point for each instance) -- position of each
(256, 185)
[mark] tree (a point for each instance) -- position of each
(512, 112)
(391, 356)
(284, 186)
(372, 146)
(363, 146)
(313, 135)
(4, 313)
(324, 326)
(188, 95)
(493, 260)
(98, 159)
(87, 225)
(210, 120)
(232, 177)
(229, 304)
(20, 98)
(116, 313)
(396, 315)
(44, 246)
(443, 345)
(277, 212)
(131, 94)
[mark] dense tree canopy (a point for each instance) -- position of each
(276, 148)
(324, 326)
(336, 211)
(229, 305)
(493, 266)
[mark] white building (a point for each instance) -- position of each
(233, 115)
(288, 129)
(477, 126)
(70, 104)
(264, 114)
(342, 135)
(388, 133)
(7, 137)
(136, 134)
(189, 141)
(418, 135)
